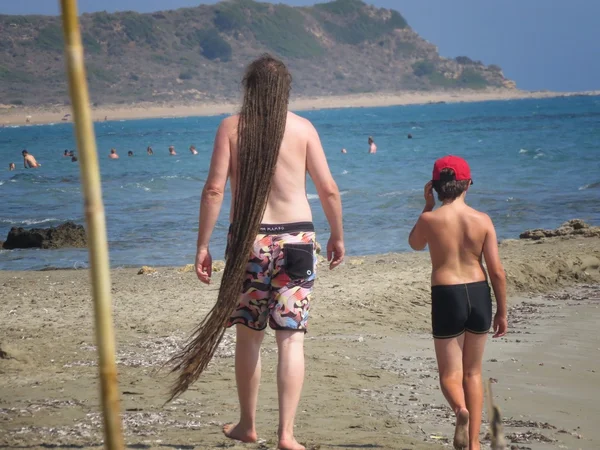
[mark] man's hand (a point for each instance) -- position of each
(500, 325)
(429, 198)
(335, 252)
(204, 265)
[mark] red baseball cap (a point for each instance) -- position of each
(461, 168)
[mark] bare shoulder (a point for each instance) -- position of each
(229, 125)
(482, 218)
(296, 122)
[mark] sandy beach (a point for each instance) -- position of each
(371, 375)
(12, 115)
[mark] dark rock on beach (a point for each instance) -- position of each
(68, 234)
(574, 227)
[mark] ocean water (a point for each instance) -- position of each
(535, 163)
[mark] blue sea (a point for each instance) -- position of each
(535, 163)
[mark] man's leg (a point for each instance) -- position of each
(449, 354)
(472, 361)
(247, 375)
(290, 378)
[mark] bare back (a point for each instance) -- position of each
(456, 235)
(287, 202)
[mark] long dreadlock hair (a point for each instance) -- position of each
(267, 84)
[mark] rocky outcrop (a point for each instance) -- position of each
(68, 234)
(146, 270)
(575, 227)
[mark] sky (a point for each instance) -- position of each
(541, 44)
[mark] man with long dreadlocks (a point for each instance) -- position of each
(265, 151)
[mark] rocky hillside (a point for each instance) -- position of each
(195, 54)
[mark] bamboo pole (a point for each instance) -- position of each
(96, 224)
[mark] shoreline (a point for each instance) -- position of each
(14, 115)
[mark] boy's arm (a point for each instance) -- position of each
(497, 277)
(417, 238)
(329, 195)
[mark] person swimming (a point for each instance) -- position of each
(344, 151)
(129, 153)
(29, 161)
(193, 150)
(66, 153)
(172, 151)
(113, 154)
(372, 146)
(12, 167)
(150, 151)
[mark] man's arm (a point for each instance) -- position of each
(497, 277)
(329, 195)
(214, 188)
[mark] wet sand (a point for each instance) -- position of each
(11, 115)
(371, 374)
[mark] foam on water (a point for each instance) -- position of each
(151, 202)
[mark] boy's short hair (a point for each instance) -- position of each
(451, 177)
(448, 187)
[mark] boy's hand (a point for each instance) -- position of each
(429, 198)
(500, 325)
(204, 265)
(335, 252)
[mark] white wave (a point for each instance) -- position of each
(2, 182)
(345, 172)
(590, 186)
(416, 128)
(539, 155)
(343, 192)
(523, 150)
(312, 196)
(392, 194)
(28, 221)
(15, 126)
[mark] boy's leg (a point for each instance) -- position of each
(472, 361)
(290, 378)
(247, 375)
(449, 355)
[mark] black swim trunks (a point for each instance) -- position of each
(461, 307)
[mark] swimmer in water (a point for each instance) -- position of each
(12, 167)
(372, 146)
(74, 159)
(409, 136)
(129, 153)
(149, 151)
(193, 150)
(66, 153)
(172, 151)
(113, 154)
(344, 151)
(29, 161)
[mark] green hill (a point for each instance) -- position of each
(195, 54)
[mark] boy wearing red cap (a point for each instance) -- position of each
(459, 237)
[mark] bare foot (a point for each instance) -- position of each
(290, 444)
(461, 432)
(237, 433)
